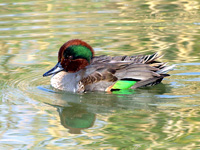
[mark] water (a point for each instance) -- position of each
(35, 116)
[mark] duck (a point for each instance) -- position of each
(78, 70)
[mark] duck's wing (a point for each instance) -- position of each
(105, 71)
(98, 76)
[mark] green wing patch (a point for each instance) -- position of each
(123, 84)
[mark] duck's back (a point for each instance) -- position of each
(107, 73)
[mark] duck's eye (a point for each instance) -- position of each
(70, 57)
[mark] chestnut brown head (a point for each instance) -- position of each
(73, 56)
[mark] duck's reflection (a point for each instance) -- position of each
(76, 118)
(78, 112)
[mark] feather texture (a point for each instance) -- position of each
(145, 69)
(78, 70)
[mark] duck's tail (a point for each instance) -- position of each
(161, 73)
(155, 80)
(166, 69)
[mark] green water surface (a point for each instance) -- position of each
(34, 116)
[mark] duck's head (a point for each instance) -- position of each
(72, 56)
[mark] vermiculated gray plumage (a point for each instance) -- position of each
(104, 71)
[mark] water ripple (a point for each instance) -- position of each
(37, 14)
(158, 116)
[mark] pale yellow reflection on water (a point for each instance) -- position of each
(35, 116)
